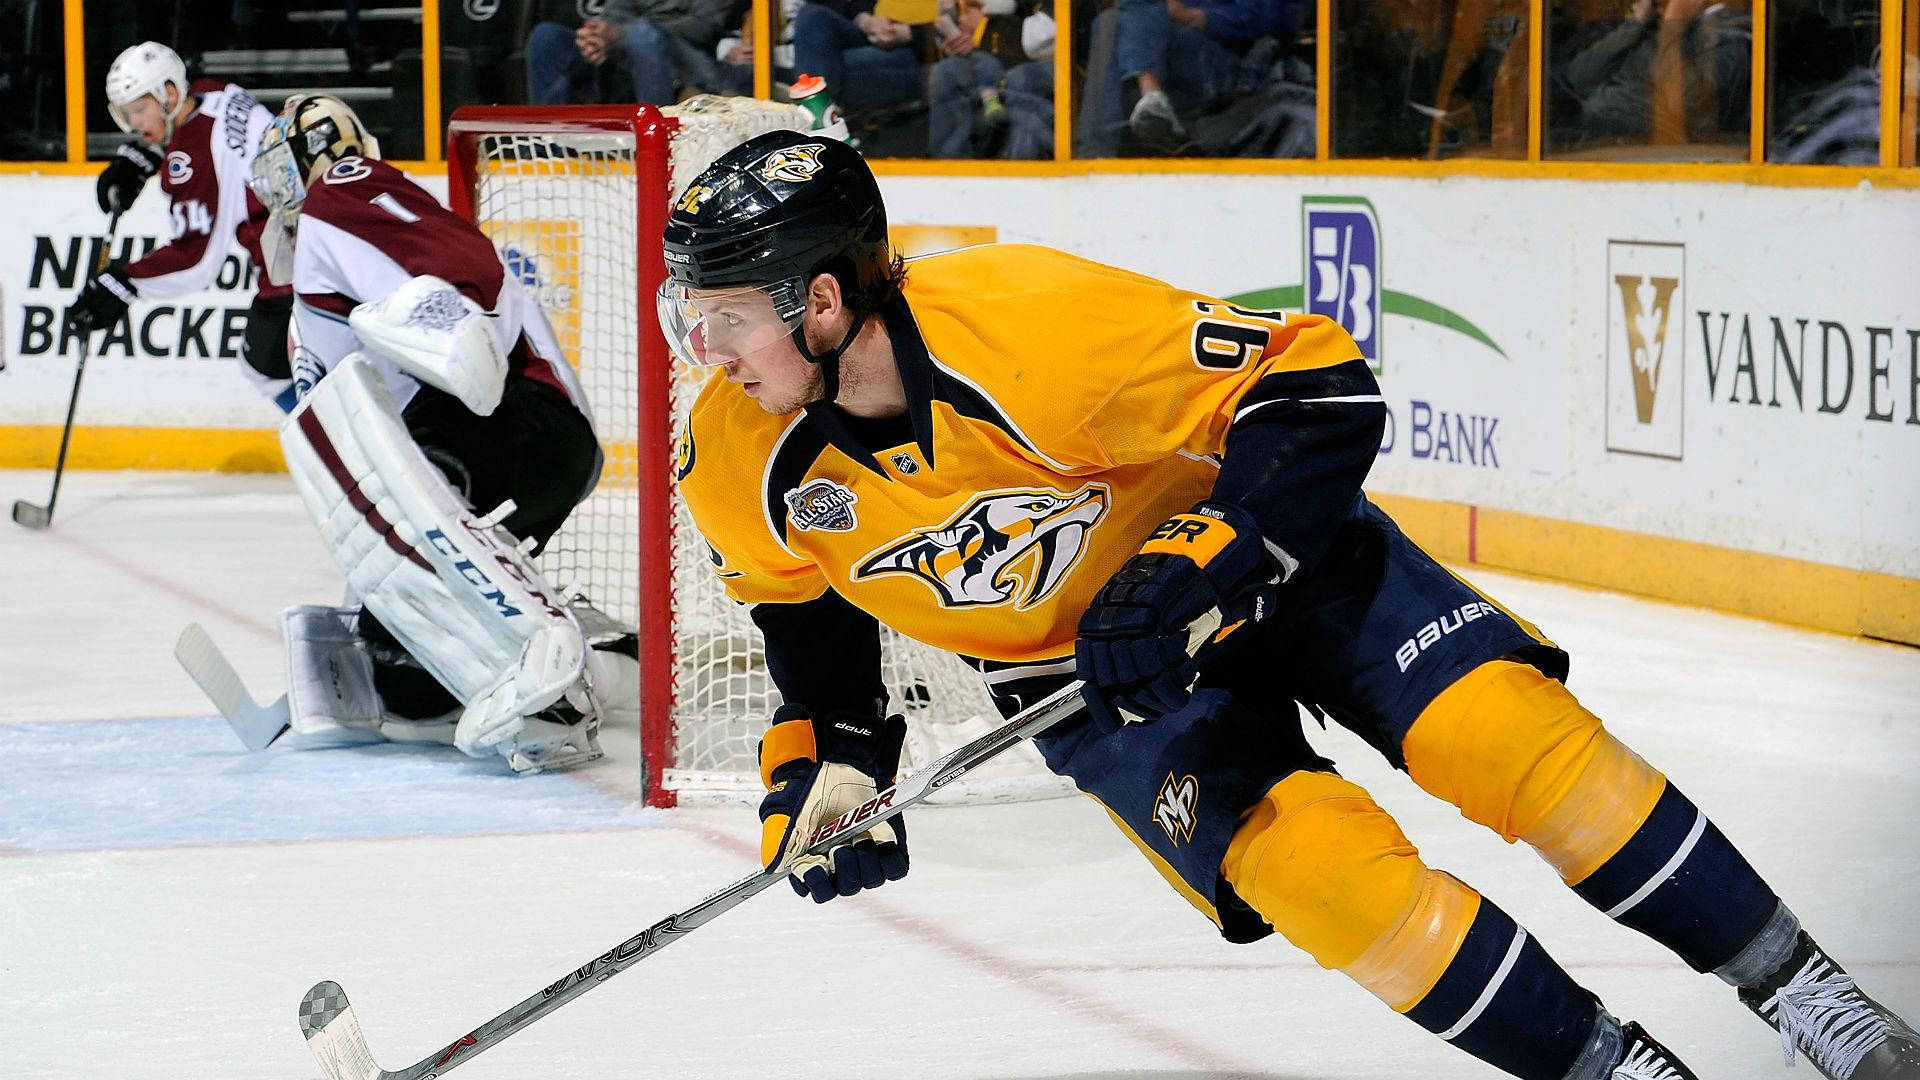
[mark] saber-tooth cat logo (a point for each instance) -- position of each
(1005, 545)
(792, 164)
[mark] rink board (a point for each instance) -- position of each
(1732, 368)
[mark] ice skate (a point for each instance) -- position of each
(1821, 1014)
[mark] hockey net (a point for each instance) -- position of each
(575, 199)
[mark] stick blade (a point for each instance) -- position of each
(28, 515)
(258, 726)
(333, 1034)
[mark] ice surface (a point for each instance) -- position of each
(166, 898)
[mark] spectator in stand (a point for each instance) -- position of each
(992, 94)
(1668, 72)
(1028, 89)
(867, 60)
(735, 51)
(1168, 56)
(666, 47)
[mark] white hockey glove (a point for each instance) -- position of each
(818, 770)
(431, 331)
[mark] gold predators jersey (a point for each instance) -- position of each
(1058, 410)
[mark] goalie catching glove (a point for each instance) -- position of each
(818, 770)
(1200, 577)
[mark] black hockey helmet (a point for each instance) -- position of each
(782, 206)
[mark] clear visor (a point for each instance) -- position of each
(276, 179)
(718, 326)
(118, 110)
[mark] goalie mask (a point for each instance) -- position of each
(766, 218)
(146, 70)
(312, 133)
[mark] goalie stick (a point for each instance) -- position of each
(257, 725)
(260, 726)
(33, 515)
(334, 1035)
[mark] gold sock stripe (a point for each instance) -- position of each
(1600, 813)
(1403, 965)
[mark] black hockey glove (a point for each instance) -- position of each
(122, 180)
(1200, 577)
(819, 770)
(103, 300)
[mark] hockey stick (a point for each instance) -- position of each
(333, 1032)
(260, 726)
(31, 515)
(257, 725)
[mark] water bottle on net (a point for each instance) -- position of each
(810, 93)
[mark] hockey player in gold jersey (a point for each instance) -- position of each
(1057, 468)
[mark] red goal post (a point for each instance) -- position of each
(645, 135)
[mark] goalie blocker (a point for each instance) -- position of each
(460, 595)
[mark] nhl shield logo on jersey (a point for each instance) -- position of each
(822, 506)
(1005, 546)
(792, 164)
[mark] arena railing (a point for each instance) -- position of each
(1897, 63)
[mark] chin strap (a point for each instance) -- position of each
(173, 121)
(829, 361)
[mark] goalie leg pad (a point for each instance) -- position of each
(329, 675)
(432, 331)
(332, 693)
(471, 608)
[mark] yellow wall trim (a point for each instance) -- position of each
(1743, 582)
(1766, 176)
(185, 449)
(1746, 583)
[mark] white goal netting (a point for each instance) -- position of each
(563, 203)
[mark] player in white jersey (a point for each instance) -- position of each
(201, 138)
(432, 391)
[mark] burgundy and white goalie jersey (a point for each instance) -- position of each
(365, 230)
(204, 175)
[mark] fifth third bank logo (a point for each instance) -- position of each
(1343, 267)
(1646, 376)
